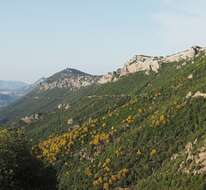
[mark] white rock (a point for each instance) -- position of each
(59, 106)
(199, 94)
(106, 78)
(67, 106)
(70, 121)
(190, 76)
(141, 63)
(151, 63)
(189, 94)
(187, 54)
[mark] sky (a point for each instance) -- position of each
(41, 37)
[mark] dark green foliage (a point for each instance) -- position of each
(18, 168)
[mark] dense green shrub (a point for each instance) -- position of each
(19, 170)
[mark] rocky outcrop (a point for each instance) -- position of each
(106, 78)
(73, 79)
(194, 161)
(70, 121)
(70, 79)
(199, 94)
(151, 63)
(64, 107)
(184, 55)
(30, 119)
(69, 83)
(189, 94)
(141, 63)
(190, 76)
(136, 64)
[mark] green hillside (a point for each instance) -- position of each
(143, 132)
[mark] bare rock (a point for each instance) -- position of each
(199, 94)
(70, 121)
(190, 76)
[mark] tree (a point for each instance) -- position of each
(18, 168)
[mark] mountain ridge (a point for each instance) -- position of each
(69, 78)
(75, 79)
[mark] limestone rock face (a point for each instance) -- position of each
(106, 78)
(73, 79)
(151, 63)
(70, 79)
(136, 64)
(141, 63)
(187, 54)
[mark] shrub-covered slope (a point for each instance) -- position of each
(142, 132)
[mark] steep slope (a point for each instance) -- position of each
(128, 144)
(144, 131)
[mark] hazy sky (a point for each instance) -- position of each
(41, 37)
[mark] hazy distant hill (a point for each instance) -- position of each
(12, 85)
(10, 91)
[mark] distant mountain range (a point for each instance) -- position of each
(12, 85)
(11, 91)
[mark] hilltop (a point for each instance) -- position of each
(70, 79)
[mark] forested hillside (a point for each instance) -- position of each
(145, 131)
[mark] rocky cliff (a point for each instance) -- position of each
(69, 78)
(150, 63)
(74, 79)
